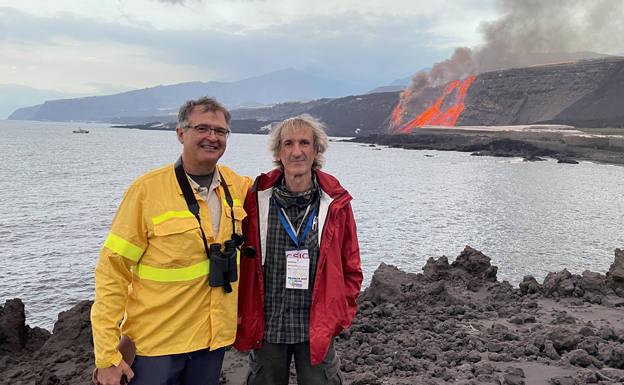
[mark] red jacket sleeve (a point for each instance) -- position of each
(351, 266)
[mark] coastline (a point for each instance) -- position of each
(530, 142)
(453, 323)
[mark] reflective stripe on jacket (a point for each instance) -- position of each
(338, 275)
(152, 272)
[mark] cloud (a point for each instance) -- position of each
(530, 27)
(73, 66)
(532, 32)
(366, 42)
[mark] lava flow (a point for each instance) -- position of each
(434, 115)
(396, 113)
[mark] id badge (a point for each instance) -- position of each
(297, 269)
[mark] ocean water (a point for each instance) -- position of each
(59, 192)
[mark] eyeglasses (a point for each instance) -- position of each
(204, 129)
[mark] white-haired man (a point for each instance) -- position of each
(301, 288)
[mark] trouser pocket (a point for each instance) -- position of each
(254, 368)
(333, 375)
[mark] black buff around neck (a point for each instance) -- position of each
(287, 198)
(202, 180)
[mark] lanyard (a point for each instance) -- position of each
(290, 229)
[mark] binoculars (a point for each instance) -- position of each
(223, 266)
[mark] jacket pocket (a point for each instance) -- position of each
(239, 215)
(175, 243)
(175, 226)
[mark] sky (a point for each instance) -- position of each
(95, 47)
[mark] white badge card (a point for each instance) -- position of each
(297, 269)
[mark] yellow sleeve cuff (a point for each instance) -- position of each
(112, 360)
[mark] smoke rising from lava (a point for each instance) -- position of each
(534, 32)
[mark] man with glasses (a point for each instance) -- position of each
(165, 277)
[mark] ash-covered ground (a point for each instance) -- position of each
(455, 323)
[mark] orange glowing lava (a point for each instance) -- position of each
(396, 113)
(434, 115)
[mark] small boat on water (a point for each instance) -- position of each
(80, 131)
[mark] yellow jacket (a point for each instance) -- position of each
(152, 273)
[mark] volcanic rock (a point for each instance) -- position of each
(426, 328)
(612, 356)
(564, 339)
(513, 376)
(579, 357)
(386, 284)
(615, 276)
(566, 160)
(607, 333)
(366, 378)
(563, 380)
(15, 337)
(550, 351)
(471, 266)
(593, 282)
(616, 271)
(504, 147)
(476, 264)
(450, 327)
(437, 269)
(559, 284)
(529, 285)
(610, 374)
(508, 142)
(66, 355)
(12, 328)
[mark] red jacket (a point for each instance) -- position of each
(338, 274)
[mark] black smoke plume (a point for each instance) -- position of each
(532, 32)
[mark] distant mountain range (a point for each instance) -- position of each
(165, 100)
(13, 96)
(397, 85)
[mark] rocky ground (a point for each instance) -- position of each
(453, 323)
(494, 145)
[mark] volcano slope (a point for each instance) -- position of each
(587, 93)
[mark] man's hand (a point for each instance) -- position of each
(113, 374)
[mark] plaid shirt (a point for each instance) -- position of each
(287, 311)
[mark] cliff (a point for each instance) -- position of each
(582, 94)
(347, 116)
